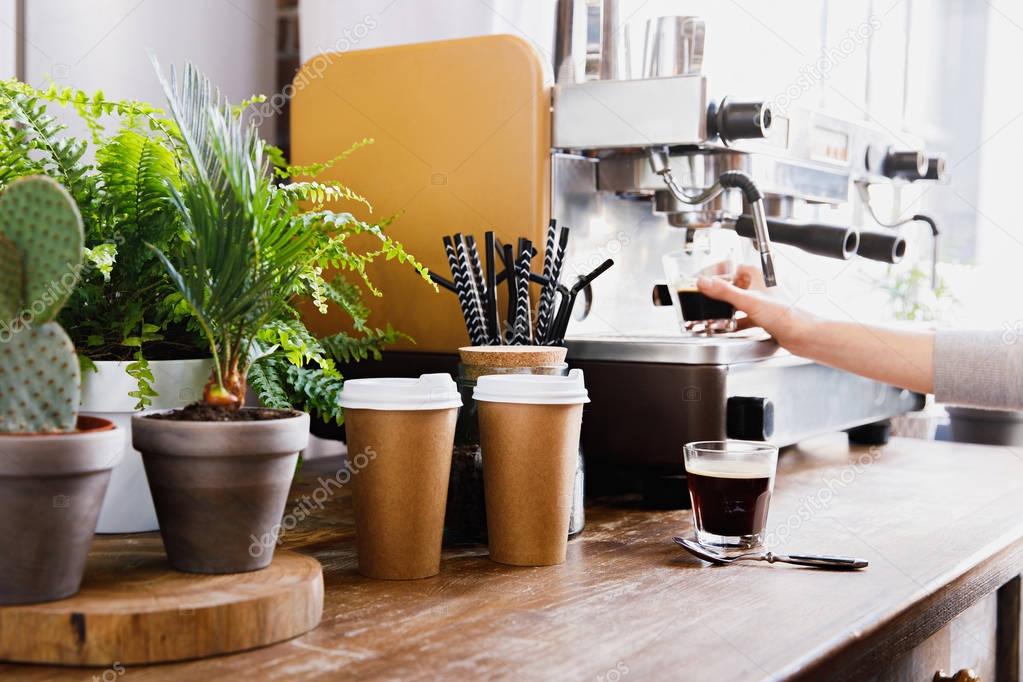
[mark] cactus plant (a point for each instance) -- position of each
(11, 278)
(40, 262)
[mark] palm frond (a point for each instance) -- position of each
(244, 250)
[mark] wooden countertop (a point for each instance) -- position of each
(941, 524)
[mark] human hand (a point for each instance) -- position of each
(779, 318)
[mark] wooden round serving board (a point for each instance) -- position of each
(133, 609)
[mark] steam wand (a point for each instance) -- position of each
(864, 192)
(659, 163)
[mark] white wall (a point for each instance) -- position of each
(1000, 230)
(8, 39)
(333, 26)
(105, 45)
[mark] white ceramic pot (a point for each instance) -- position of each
(128, 506)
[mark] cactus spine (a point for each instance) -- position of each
(41, 241)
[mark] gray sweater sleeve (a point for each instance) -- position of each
(979, 369)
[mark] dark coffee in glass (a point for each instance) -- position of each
(710, 254)
(698, 307)
(730, 484)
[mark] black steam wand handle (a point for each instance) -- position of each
(830, 241)
(887, 247)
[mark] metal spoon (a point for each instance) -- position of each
(829, 562)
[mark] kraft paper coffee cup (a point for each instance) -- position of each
(405, 428)
(529, 435)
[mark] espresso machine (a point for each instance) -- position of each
(639, 165)
(491, 133)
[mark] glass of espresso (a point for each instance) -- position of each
(711, 253)
(730, 483)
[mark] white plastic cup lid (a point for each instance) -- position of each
(532, 389)
(428, 392)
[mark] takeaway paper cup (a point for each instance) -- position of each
(405, 430)
(529, 435)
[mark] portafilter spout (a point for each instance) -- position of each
(660, 165)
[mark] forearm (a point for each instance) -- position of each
(897, 357)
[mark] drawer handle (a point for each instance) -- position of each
(964, 675)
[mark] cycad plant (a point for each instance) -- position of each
(252, 245)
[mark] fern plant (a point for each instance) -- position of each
(125, 308)
(256, 240)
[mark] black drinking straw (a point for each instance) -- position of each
(463, 288)
(545, 306)
(513, 299)
(533, 277)
(491, 303)
(500, 251)
(442, 283)
(560, 328)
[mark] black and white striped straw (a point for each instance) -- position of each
(476, 268)
(476, 296)
(557, 266)
(523, 323)
(545, 308)
(460, 278)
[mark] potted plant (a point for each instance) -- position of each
(916, 297)
(220, 472)
(138, 345)
(54, 464)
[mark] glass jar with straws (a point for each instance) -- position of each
(523, 340)
(465, 521)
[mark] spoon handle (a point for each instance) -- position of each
(820, 561)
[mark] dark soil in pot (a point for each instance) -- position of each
(200, 412)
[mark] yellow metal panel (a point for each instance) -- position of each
(462, 144)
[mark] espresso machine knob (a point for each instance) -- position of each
(749, 418)
(935, 167)
(908, 165)
(739, 120)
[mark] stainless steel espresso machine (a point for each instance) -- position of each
(638, 166)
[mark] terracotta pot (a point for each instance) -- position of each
(51, 491)
(220, 487)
